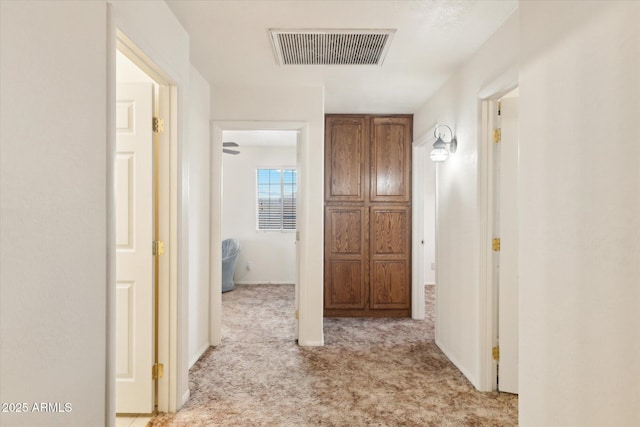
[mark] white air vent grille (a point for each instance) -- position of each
(331, 47)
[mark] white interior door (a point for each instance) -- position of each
(508, 268)
(134, 259)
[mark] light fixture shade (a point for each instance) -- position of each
(439, 152)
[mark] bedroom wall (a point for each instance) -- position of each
(271, 254)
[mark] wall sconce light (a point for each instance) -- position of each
(442, 148)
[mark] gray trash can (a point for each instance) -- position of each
(230, 251)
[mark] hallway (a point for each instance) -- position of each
(385, 372)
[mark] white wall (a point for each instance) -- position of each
(57, 256)
(579, 228)
(303, 104)
(199, 194)
(53, 210)
(270, 253)
(580, 223)
(457, 105)
(128, 72)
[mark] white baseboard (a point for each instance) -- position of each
(185, 398)
(311, 343)
(199, 354)
(263, 283)
(457, 364)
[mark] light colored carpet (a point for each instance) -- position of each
(371, 372)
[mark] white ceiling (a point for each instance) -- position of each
(230, 45)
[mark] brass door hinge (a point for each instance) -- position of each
(499, 108)
(158, 125)
(297, 315)
(157, 371)
(495, 351)
(158, 247)
(496, 244)
(497, 135)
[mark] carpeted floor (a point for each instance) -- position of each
(371, 372)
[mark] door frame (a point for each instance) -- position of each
(215, 281)
(418, 264)
(167, 343)
(488, 309)
(506, 285)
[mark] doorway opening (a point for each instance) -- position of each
(259, 189)
(255, 177)
(136, 223)
(423, 226)
(143, 344)
(500, 122)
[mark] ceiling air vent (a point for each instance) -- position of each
(331, 47)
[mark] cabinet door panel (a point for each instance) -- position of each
(345, 287)
(345, 235)
(390, 159)
(389, 228)
(346, 265)
(390, 276)
(345, 152)
(390, 285)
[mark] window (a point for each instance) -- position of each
(277, 199)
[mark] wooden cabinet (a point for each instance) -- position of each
(346, 144)
(367, 255)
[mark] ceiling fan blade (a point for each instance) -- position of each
(234, 152)
(230, 144)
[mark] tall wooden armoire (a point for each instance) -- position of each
(367, 216)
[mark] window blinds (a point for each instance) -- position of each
(276, 199)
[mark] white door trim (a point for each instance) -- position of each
(168, 309)
(110, 292)
(507, 224)
(418, 175)
(487, 307)
(217, 127)
(488, 327)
